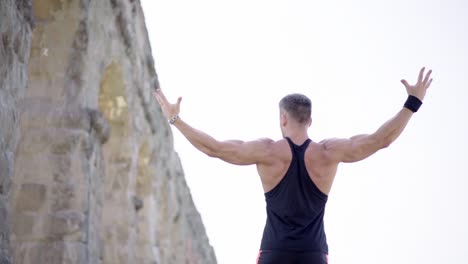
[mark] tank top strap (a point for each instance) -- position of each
(296, 149)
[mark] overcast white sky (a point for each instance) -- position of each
(232, 61)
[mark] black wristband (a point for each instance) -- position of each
(413, 103)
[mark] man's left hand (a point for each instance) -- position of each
(169, 110)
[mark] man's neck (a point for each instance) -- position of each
(298, 136)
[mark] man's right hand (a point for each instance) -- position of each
(419, 89)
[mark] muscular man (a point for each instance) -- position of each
(297, 173)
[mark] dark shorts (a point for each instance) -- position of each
(284, 257)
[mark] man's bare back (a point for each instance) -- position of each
(321, 171)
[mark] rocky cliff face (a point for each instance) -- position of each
(15, 40)
(88, 173)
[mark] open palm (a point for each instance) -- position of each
(420, 88)
(169, 110)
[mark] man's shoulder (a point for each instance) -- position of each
(279, 142)
(271, 142)
(323, 143)
(272, 146)
(321, 151)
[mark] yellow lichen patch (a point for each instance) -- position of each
(112, 99)
(44, 9)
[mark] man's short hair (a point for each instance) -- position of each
(298, 106)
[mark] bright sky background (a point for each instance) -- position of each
(232, 61)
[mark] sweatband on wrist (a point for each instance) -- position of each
(172, 120)
(413, 103)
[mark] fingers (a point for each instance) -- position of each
(428, 84)
(155, 96)
(161, 96)
(405, 83)
(421, 74)
(162, 100)
(428, 75)
(158, 98)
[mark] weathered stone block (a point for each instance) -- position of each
(31, 197)
(34, 142)
(40, 113)
(65, 141)
(66, 223)
(69, 190)
(65, 197)
(23, 224)
(50, 253)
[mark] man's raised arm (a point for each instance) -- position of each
(362, 146)
(232, 151)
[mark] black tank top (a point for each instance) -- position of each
(295, 209)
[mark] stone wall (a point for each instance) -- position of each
(95, 175)
(15, 40)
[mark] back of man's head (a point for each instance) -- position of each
(298, 107)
